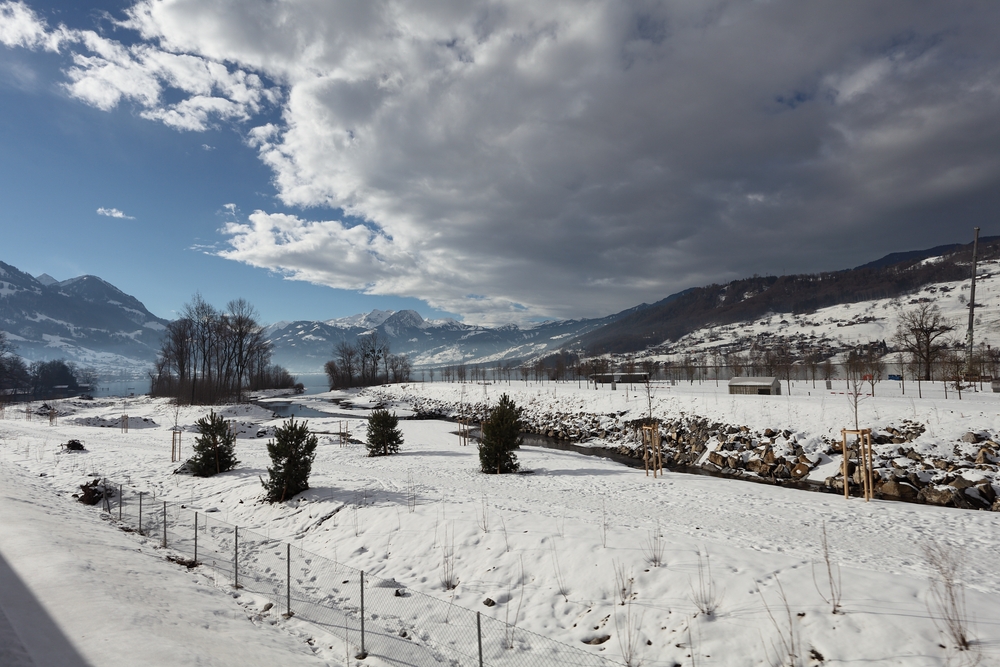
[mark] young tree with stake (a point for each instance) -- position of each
(384, 438)
(214, 447)
(501, 436)
(292, 453)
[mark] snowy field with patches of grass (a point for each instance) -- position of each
(555, 546)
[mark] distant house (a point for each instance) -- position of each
(619, 378)
(756, 386)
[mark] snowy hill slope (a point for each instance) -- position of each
(836, 329)
(755, 298)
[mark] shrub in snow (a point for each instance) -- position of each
(93, 492)
(501, 436)
(292, 453)
(383, 436)
(214, 447)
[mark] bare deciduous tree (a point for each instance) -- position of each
(922, 332)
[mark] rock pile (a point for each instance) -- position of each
(906, 466)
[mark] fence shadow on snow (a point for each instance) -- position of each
(374, 616)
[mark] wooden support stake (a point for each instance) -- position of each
(175, 446)
(288, 580)
(652, 453)
(866, 459)
(236, 556)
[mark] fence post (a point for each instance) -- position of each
(236, 557)
(479, 635)
(363, 653)
(164, 524)
(288, 580)
(140, 513)
(121, 501)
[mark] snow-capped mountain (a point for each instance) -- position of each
(85, 319)
(363, 320)
(303, 347)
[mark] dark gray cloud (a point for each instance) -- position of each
(526, 159)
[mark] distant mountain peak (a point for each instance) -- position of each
(84, 319)
(364, 320)
(406, 318)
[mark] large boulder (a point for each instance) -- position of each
(986, 456)
(898, 490)
(962, 483)
(718, 458)
(987, 491)
(800, 470)
(941, 495)
(976, 499)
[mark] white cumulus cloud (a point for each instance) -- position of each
(113, 213)
(512, 158)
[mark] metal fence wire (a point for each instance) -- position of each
(374, 616)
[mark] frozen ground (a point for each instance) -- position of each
(544, 545)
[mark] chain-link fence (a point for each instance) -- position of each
(374, 616)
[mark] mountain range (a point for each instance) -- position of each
(91, 322)
(308, 345)
(85, 320)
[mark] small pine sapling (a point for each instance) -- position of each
(214, 447)
(292, 453)
(501, 436)
(384, 438)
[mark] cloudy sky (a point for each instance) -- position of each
(498, 161)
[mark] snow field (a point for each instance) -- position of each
(545, 546)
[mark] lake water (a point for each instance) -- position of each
(107, 388)
(315, 383)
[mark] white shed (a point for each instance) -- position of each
(758, 386)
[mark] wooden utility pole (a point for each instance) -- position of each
(972, 306)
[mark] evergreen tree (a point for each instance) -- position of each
(292, 452)
(383, 436)
(501, 436)
(214, 447)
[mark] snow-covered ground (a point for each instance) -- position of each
(544, 545)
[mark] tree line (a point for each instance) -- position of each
(365, 362)
(40, 379)
(923, 347)
(210, 356)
